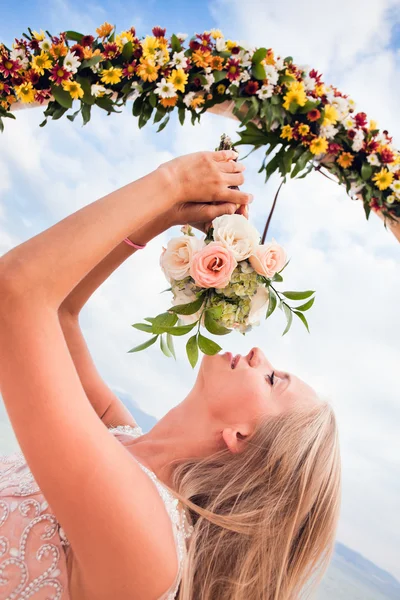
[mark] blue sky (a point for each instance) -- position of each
(352, 353)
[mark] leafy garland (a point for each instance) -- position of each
(283, 106)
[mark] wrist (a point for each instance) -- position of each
(171, 182)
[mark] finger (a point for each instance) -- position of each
(233, 178)
(225, 155)
(235, 196)
(243, 209)
(231, 166)
(206, 213)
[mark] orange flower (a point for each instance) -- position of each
(209, 96)
(198, 101)
(104, 30)
(216, 62)
(58, 50)
(345, 160)
(201, 59)
(166, 102)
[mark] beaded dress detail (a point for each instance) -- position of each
(33, 545)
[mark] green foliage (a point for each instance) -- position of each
(192, 350)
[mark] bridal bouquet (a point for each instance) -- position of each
(222, 282)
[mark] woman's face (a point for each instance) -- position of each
(239, 389)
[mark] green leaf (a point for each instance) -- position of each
(298, 295)
(258, 71)
(137, 106)
(176, 45)
(143, 327)
(271, 303)
(277, 277)
(74, 115)
(366, 171)
(90, 62)
(170, 344)
(74, 35)
(164, 347)
(153, 100)
(127, 51)
(85, 109)
(63, 98)
(145, 345)
(219, 75)
(160, 113)
(259, 55)
(287, 160)
(192, 350)
(181, 329)
(306, 306)
(106, 104)
(149, 319)
(289, 317)
(145, 114)
(163, 124)
(213, 326)
(163, 322)
(87, 92)
(207, 346)
(58, 113)
(188, 309)
(181, 114)
(302, 318)
(301, 162)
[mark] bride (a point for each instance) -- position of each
(234, 494)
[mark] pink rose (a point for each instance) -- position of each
(212, 266)
(268, 259)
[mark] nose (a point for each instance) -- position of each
(256, 357)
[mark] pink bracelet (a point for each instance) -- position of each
(137, 246)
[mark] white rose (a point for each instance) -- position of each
(259, 305)
(184, 297)
(237, 234)
(177, 256)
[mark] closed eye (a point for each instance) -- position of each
(271, 377)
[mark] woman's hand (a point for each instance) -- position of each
(205, 177)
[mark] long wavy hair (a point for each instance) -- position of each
(264, 518)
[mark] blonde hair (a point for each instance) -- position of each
(264, 518)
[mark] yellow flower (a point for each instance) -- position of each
(111, 75)
(320, 89)
(216, 33)
(373, 125)
(330, 115)
(25, 92)
(270, 58)
(319, 145)
(41, 62)
(39, 36)
(221, 88)
(287, 132)
(296, 93)
(304, 129)
(198, 101)
(122, 38)
(230, 44)
(74, 88)
(383, 179)
(345, 160)
(390, 199)
(104, 30)
(166, 102)
(178, 78)
(147, 70)
(150, 44)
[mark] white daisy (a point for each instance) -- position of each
(356, 188)
(279, 64)
(390, 199)
(309, 83)
(373, 160)
(208, 70)
(244, 76)
(271, 74)
(396, 186)
(220, 44)
(165, 89)
(159, 58)
(244, 58)
(71, 62)
(179, 60)
(349, 123)
(188, 98)
(358, 141)
(210, 80)
(341, 106)
(45, 45)
(97, 90)
(329, 131)
(19, 54)
(181, 36)
(136, 90)
(266, 91)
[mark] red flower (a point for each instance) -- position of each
(351, 134)
(197, 82)
(33, 77)
(375, 205)
(314, 73)
(361, 119)
(42, 95)
(8, 67)
(386, 155)
(251, 87)
(133, 31)
(4, 88)
(372, 146)
(78, 51)
(334, 148)
(233, 68)
(87, 40)
(138, 52)
(313, 115)
(235, 50)
(205, 39)
(158, 31)
(111, 50)
(34, 44)
(129, 69)
(59, 74)
(193, 45)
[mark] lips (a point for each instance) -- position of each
(235, 360)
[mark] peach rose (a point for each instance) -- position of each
(268, 259)
(176, 258)
(212, 266)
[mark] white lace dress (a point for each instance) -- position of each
(33, 545)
